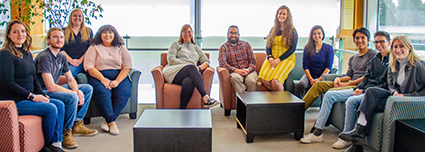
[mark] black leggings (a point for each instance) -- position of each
(189, 78)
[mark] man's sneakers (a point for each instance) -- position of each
(340, 144)
(68, 140)
(80, 129)
(211, 102)
(311, 138)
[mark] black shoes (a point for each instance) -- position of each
(356, 136)
(354, 148)
(51, 148)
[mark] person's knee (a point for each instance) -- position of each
(85, 88)
(234, 77)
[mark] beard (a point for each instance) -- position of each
(56, 46)
(233, 40)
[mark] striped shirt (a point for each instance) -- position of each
(235, 57)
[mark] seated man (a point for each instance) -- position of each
(238, 57)
(50, 66)
(375, 76)
(406, 74)
(356, 69)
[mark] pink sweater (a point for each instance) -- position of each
(107, 58)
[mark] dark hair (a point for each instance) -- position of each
(310, 47)
(117, 42)
(384, 34)
(363, 30)
(9, 44)
(231, 27)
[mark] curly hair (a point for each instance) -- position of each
(287, 32)
(117, 42)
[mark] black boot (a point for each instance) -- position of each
(356, 136)
(354, 148)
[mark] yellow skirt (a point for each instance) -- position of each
(280, 72)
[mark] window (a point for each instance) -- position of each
(404, 17)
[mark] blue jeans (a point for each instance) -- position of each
(52, 114)
(329, 99)
(351, 112)
(110, 102)
(76, 69)
(71, 103)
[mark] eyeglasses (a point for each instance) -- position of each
(380, 42)
(233, 33)
(187, 32)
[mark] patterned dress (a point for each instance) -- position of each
(282, 70)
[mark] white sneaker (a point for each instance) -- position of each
(105, 126)
(311, 138)
(340, 144)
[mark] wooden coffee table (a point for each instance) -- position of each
(269, 113)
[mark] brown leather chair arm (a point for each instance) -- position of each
(158, 78)
(207, 76)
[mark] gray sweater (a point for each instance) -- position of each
(180, 55)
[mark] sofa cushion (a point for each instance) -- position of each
(31, 133)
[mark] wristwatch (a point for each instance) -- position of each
(31, 97)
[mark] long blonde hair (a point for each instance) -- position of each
(412, 57)
(85, 31)
(10, 45)
(286, 32)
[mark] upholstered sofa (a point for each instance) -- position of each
(381, 136)
(19, 133)
(168, 95)
(130, 107)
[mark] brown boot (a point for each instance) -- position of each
(68, 140)
(80, 129)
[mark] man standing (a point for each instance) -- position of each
(50, 66)
(238, 57)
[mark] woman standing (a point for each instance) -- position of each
(181, 69)
(108, 63)
(281, 45)
(317, 60)
(77, 37)
(18, 82)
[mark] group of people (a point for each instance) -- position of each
(34, 84)
(372, 76)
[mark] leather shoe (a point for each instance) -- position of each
(354, 148)
(356, 135)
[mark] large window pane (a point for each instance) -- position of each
(405, 17)
(255, 18)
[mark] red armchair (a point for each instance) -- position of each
(19, 133)
(168, 95)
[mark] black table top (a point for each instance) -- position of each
(174, 118)
(268, 97)
(418, 124)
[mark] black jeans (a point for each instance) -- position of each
(373, 102)
(189, 77)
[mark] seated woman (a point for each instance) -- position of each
(281, 45)
(318, 58)
(18, 82)
(181, 69)
(406, 75)
(108, 63)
